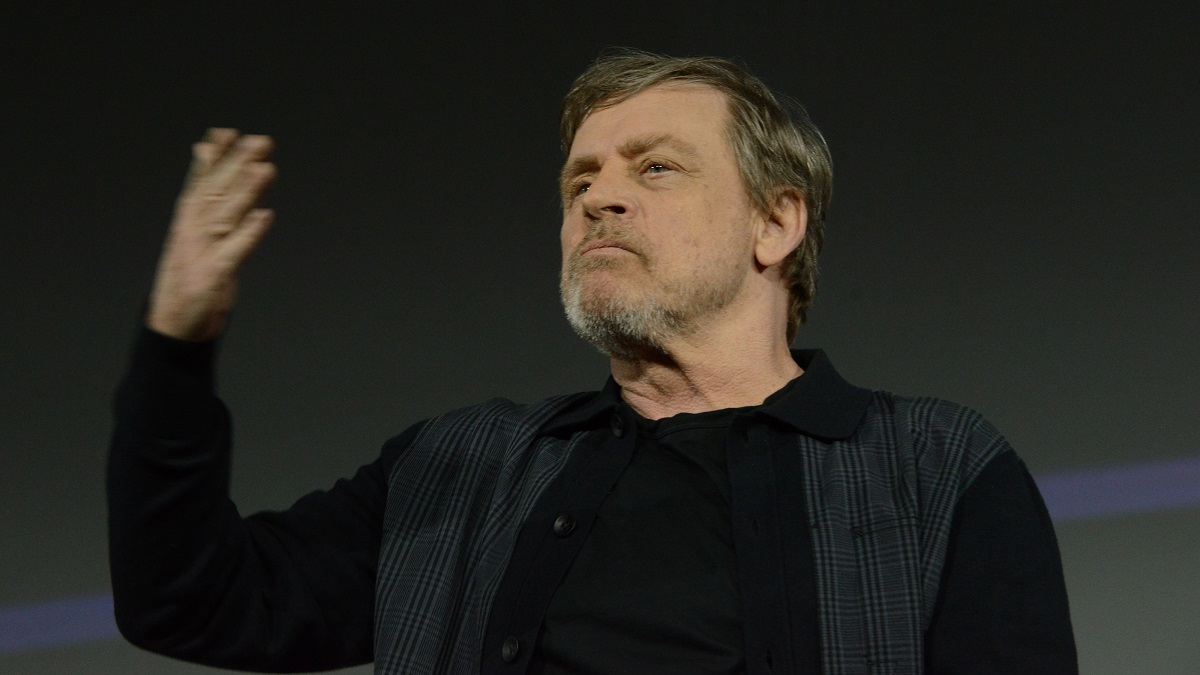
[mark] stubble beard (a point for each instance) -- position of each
(629, 323)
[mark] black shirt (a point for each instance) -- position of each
(655, 584)
(294, 590)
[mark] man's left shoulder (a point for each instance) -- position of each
(942, 431)
(941, 421)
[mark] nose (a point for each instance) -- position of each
(606, 197)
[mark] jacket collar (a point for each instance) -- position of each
(818, 403)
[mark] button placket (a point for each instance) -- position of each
(564, 525)
(510, 649)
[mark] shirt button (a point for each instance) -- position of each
(564, 525)
(510, 649)
(617, 426)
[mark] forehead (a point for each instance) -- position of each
(696, 113)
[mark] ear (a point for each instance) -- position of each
(781, 230)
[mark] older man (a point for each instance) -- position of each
(722, 505)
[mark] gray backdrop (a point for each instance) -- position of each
(1014, 227)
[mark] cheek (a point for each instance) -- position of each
(569, 237)
(708, 225)
(715, 228)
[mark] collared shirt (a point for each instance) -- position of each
(766, 497)
(298, 587)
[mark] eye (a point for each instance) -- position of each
(573, 190)
(657, 167)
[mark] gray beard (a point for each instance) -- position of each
(627, 329)
(621, 332)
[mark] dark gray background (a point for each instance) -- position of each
(1014, 227)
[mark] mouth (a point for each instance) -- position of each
(605, 245)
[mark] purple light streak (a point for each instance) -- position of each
(57, 623)
(1131, 488)
(1069, 495)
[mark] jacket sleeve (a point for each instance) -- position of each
(1002, 604)
(277, 592)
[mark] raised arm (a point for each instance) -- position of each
(287, 591)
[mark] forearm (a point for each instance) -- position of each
(170, 520)
(191, 578)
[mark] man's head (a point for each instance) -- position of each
(777, 154)
(658, 234)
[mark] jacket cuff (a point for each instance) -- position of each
(168, 390)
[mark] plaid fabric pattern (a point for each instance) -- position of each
(455, 502)
(880, 505)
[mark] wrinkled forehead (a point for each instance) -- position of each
(652, 90)
(688, 110)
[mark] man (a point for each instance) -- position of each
(723, 505)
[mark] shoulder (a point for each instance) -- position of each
(943, 435)
(942, 422)
(505, 413)
(497, 415)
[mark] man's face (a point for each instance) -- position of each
(656, 232)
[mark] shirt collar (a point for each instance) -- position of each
(817, 403)
(588, 412)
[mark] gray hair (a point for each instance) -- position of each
(778, 148)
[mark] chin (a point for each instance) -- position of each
(620, 327)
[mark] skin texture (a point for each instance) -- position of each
(667, 265)
(216, 225)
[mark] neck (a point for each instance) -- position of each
(706, 371)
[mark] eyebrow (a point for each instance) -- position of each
(630, 148)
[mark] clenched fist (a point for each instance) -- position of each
(217, 224)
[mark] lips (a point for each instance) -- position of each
(604, 243)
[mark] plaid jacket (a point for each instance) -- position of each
(880, 505)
